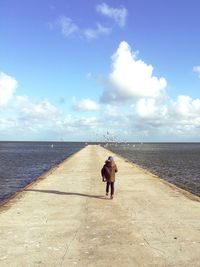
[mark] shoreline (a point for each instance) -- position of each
(18, 194)
(185, 192)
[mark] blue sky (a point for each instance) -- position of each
(94, 70)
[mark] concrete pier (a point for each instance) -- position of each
(65, 219)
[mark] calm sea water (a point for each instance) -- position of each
(178, 163)
(22, 162)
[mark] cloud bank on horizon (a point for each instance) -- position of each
(133, 103)
(149, 110)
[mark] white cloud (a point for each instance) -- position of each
(186, 108)
(172, 119)
(111, 111)
(146, 111)
(197, 70)
(76, 126)
(184, 116)
(102, 29)
(8, 86)
(40, 119)
(118, 14)
(145, 119)
(131, 78)
(85, 105)
(85, 122)
(90, 33)
(6, 123)
(148, 108)
(68, 27)
(151, 120)
(38, 110)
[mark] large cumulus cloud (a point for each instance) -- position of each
(131, 78)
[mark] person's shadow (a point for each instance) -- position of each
(66, 193)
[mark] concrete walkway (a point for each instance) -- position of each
(66, 219)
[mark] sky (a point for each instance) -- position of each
(87, 70)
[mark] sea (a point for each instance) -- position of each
(23, 162)
(177, 163)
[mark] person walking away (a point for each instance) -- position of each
(108, 173)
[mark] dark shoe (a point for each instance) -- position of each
(111, 197)
(106, 194)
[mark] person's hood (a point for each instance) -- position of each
(108, 162)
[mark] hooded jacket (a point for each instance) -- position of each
(108, 171)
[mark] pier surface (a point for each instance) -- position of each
(65, 219)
